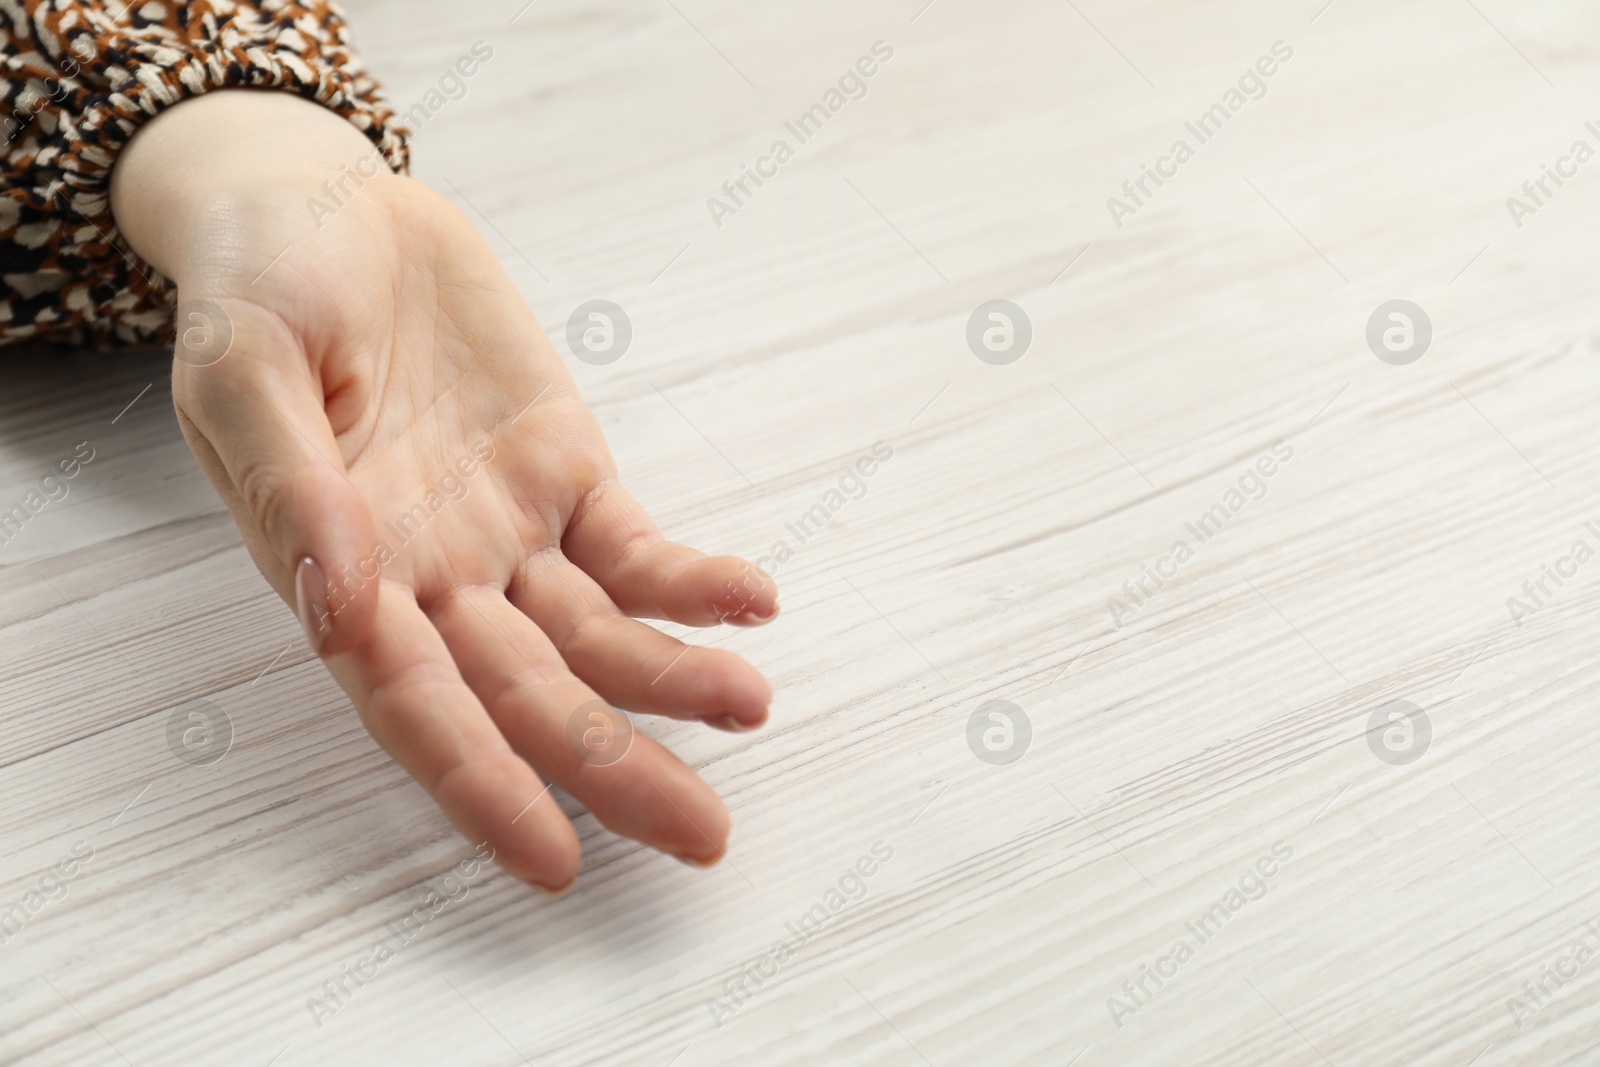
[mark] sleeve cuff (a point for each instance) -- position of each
(67, 270)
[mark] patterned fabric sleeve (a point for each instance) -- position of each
(81, 77)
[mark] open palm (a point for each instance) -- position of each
(412, 467)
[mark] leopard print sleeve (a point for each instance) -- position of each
(81, 77)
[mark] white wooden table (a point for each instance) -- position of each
(1022, 912)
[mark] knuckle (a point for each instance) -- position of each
(395, 699)
(268, 500)
(530, 687)
(587, 632)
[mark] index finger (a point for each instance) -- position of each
(416, 705)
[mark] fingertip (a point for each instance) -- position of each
(722, 685)
(751, 696)
(500, 800)
(693, 824)
(311, 603)
(752, 619)
(736, 726)
(709, 833)
(353, 621)
(331, 547)
(335, 615)
(560, 890)
(702, 862)
(722, 589)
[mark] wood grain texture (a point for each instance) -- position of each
(1168, 755)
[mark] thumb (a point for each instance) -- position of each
(256, 419)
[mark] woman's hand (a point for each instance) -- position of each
(413, 469)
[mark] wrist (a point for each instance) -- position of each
(189, 181)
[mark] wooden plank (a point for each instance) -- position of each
(1178, 737)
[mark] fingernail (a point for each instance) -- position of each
(311, 603)
(560, 890)
(733, 725)
(750, 618)
(693, 861)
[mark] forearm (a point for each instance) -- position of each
(84, 77)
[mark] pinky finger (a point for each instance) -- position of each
(617, 544)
